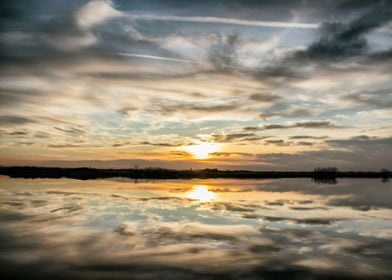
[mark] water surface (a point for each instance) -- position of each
(195, 229)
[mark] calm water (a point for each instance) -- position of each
(195, 229)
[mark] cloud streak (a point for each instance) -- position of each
(220, 20)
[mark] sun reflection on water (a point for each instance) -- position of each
(201, 193)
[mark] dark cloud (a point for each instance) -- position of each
(152, 143)
(122, 144)
(164, 144)
(73, 145)
(307, 208)
(362, 195)
(228, 154)
(304, 143)
(261, 97)
(374, 248)
(236, 137)
(290, 113)
(280, 73)
(14, 133)
(15, 120)
(305, 221)
(341, 38)
(41, 135)
(296, 137)
(127, 110)
(346, 154)
(278, 142)
(12, 97)
(264, 248)
(168, 108)
(124, 230)
(233, 206)
(276, 203)
(63, 146)
(309, 124)
(362, 142)
(380, 99)
(68, 208)
(338, 40)
(223, 53)
(71, 130)
(380, 57)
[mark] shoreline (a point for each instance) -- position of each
(85, 173)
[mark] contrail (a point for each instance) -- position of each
(164, 58)
(154, 57)
(219, 20)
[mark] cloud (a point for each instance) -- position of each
(355, 153)
(235, 137)
(228, 154)
(195, 110)
(379, 99)
(222, 54)
(21, 120)
(361, 142)
(232, 206)
(338, 44)
(127, 70)
(72, 130)
(69, 42)
(72, 145)
(164, 144)
(95, 12)
(14, 120)
(307, 208)
(309, 124)
(295, 137)
(338, 40)
(219, 20)
(17, 133)
(127, 111)
(279, 142)
(305, 143)
(154, 57)
(68, 208)
(305, 221)
(264, 97)
(288, 113)
(12, 97)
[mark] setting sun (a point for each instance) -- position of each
(201, 193)
(202, 150)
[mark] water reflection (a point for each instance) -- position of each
(196, 229)
(201, 193)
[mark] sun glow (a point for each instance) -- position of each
(202, 150)
(201, 193)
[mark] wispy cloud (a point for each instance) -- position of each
(221, 20)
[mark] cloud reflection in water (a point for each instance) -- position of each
(211, 229)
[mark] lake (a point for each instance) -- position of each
(195, 229)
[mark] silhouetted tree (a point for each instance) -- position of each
(325, 170)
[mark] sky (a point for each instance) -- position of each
(258, 85)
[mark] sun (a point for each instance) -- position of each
(201, 193)
(202, 150)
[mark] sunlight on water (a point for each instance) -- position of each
(201, 193)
